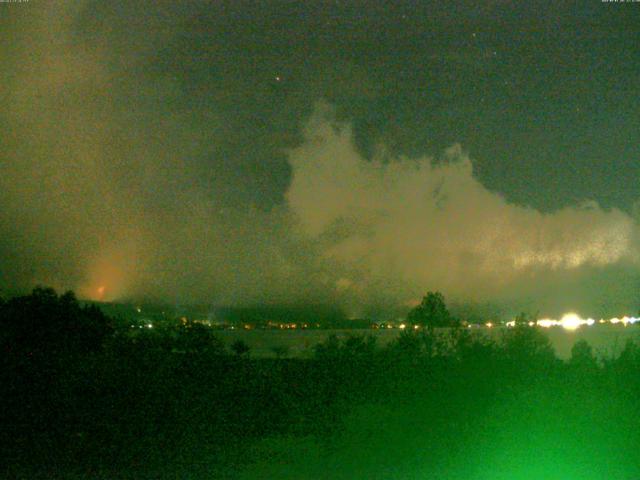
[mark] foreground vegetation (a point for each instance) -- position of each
(82, 400)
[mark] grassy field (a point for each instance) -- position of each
(468, 408)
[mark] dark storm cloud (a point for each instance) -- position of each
(177, 151)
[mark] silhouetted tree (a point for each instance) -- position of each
(351, 348)
(280, 351)
(197, 338)
(527, 347)
(432, 312)
(359, 345)
(407, 347)
(630, 355)
(328, 349)
(524, 318)
(44, 323)
(582, 356)
(240, 348)
(473, 349)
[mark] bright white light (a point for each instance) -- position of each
(628, 320)
(547, 322)
(624, 320)
(571, 321)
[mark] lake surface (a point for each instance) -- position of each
(606, 340)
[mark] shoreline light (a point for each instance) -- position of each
(547, 322)
(571, 321)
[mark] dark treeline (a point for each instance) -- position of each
(81, 399)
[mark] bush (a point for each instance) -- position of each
(197, 338)
(240, 348)
(352, 347)
(582, 356)
(527, 348)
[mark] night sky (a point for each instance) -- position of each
(356, 153)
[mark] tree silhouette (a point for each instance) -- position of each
(197, 338)
(408, 346)
(45, 324)
(281, 351)
(582, 356)
(524, 318)
(527, 347)
(328, 349)
(432, 312)
(240, 348)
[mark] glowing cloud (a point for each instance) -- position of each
(408, 225)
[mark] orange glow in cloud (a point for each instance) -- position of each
(106, 279)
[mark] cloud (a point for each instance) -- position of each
(120, 170)
(404, 226)
(110, 182)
